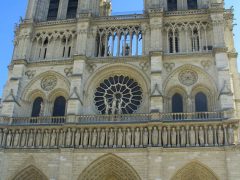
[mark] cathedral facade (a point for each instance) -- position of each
(144, 96)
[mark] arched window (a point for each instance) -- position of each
(195, 40)
(201, 104)
(59, 106)
(53, 10)
(37, 107)
(192, 4)
(177, 103)
(173, 39)
(172, 5)
(72, 9)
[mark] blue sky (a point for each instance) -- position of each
(11, 10)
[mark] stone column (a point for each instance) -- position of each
(62, 9)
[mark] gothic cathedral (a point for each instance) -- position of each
(143, 96)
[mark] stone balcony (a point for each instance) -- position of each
(170, 130)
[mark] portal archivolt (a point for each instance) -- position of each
(195, 171)
(109, 167)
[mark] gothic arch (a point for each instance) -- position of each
(109, 167)
(30, 173)
(195, 170)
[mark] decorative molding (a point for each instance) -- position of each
(75, 95)
(156, 91)
(188, 77)
(12, 98)
(30, 73)
(68, 71)
(48, 83)
(169, 66)
(206, 64)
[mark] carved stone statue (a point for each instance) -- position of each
(114, 104)
(45, 138)
(220, 136)
(94, 138)
(192, 136)
(85, 138)
(230, 135)
(183, 136)
(1, 137)
(155, 136)
(165, 136)
(120, 106)
(16, 139)
(210, 136)
(102, 138)
(201, 136)
(128, 137)
(111, 138)
(9, 139)
(174, 137)
(145, 137)
(77, 138)
(120, 138)
(41, 113)
(38, 138)
(30, 138)
(23, 138)
(53, 138)
(137, 137)
(61, 138)
(69, 138)
(106, 105)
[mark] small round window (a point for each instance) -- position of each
(118, 95)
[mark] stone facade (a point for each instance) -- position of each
(151, 96)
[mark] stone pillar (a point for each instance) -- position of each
(31, 9)
(62, 9)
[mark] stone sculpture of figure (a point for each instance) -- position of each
(192, 136)
(165, 136)
(9, 139)
(145, 137)
(1, 137)
(120, 106)
(23, 138)
(128, 138)
(230, 135)
(174, 137)
(94, 138)
(69, 138)
(53, 138)
(61, 140)
(183, 136)
(30, 138)
(114, 104)
(41, 113)
(106, 105)
(137, 137)
(201, 136)
(220, 136)
(155, 136)
(85, 138)
(77, 138)
(189, 103)
(111, 138)
(210, 136)
(38, 138)
(120, 138)
(16, 138)
(45, 138)
(102, 138)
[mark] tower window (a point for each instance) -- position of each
(201, 104)
(172, 5)
(72, 9)
(192, 4)
(53, 10)
(173, 39)
(37, 107)
(177, 103)
(59, 106)
(195, 41)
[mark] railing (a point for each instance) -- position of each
(118, 119)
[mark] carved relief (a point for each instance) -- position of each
(30, 74)
(206, 64)
(188, 77)
(169, 66)
(49, 83)
(68, 71)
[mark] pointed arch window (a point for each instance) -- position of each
(192, 4)
(53, 10)
(172, 5)
(173, 38)
(59, 107)
(201, 102)
(177, 103)
(37, 107)
(195, 40)
(72, 9)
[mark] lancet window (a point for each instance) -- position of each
(119, 41)
(192, 4)
(37, 108)
(201, 104)
(72, 9)
(172, 5)
(53, 10)
(195, 40)
(59, 106)
(173, 39)
(177, 103)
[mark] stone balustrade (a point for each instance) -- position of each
(141, 135)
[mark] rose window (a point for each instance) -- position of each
(118, 95)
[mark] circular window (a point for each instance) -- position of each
(118, 95)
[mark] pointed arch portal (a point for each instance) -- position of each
(30, 173)
(195, 171)
(109, 167)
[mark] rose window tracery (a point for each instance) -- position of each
(118, 95)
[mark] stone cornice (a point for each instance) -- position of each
(187, 55)
(232, 55)
(219, 50)
(118, 59)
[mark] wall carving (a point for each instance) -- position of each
(48, 83)
(188, 77)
